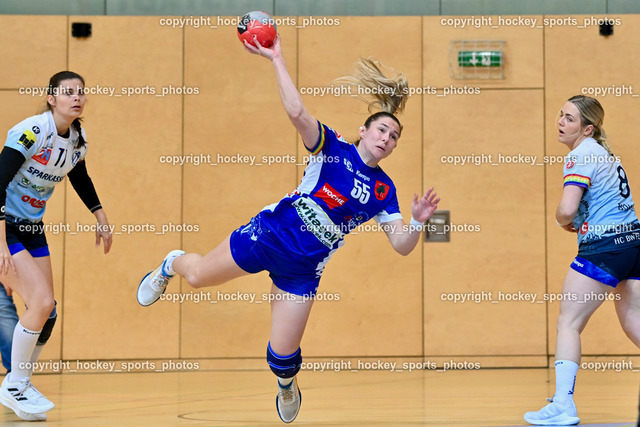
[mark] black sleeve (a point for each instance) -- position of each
(11, 160)
(83, 185)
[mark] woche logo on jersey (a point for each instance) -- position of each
(330, 196)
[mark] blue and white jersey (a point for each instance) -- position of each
(338, 192)
(606, 218)
(49, 158)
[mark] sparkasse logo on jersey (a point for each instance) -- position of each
(330, 196)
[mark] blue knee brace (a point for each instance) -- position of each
(284, 366)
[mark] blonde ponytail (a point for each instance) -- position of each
(389, 94)
(592, 113)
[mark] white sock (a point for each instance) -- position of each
(35, 356)
(167, 269)
(24, 342)
(566, 372)
(285, 381)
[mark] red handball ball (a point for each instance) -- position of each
(257, 24)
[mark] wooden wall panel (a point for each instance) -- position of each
(498, 209)
(127, 135)
(236, 113)
(33, 48)
(522, 51)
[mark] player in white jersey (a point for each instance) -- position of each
(343, 186)
(39, 152)
(597, 205)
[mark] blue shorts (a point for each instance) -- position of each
(255, 248)
(24, 235)
(610, 268)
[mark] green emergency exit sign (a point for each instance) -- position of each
(475, 58)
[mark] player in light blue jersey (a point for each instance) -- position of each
(343, 186)
(597, 205)
(39, 152)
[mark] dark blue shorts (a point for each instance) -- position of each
(610, 268)
(23, 235)
(255, 248)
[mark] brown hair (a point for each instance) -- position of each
(52, 89)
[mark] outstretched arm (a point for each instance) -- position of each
(404, 238)
(81, 182)
(304, 122)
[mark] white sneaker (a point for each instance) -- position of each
(24, 399)
(554, 414)
(288, 401)
(34, 417)
(30, 417)
(155, 283)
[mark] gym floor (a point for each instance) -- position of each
(486, 397)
